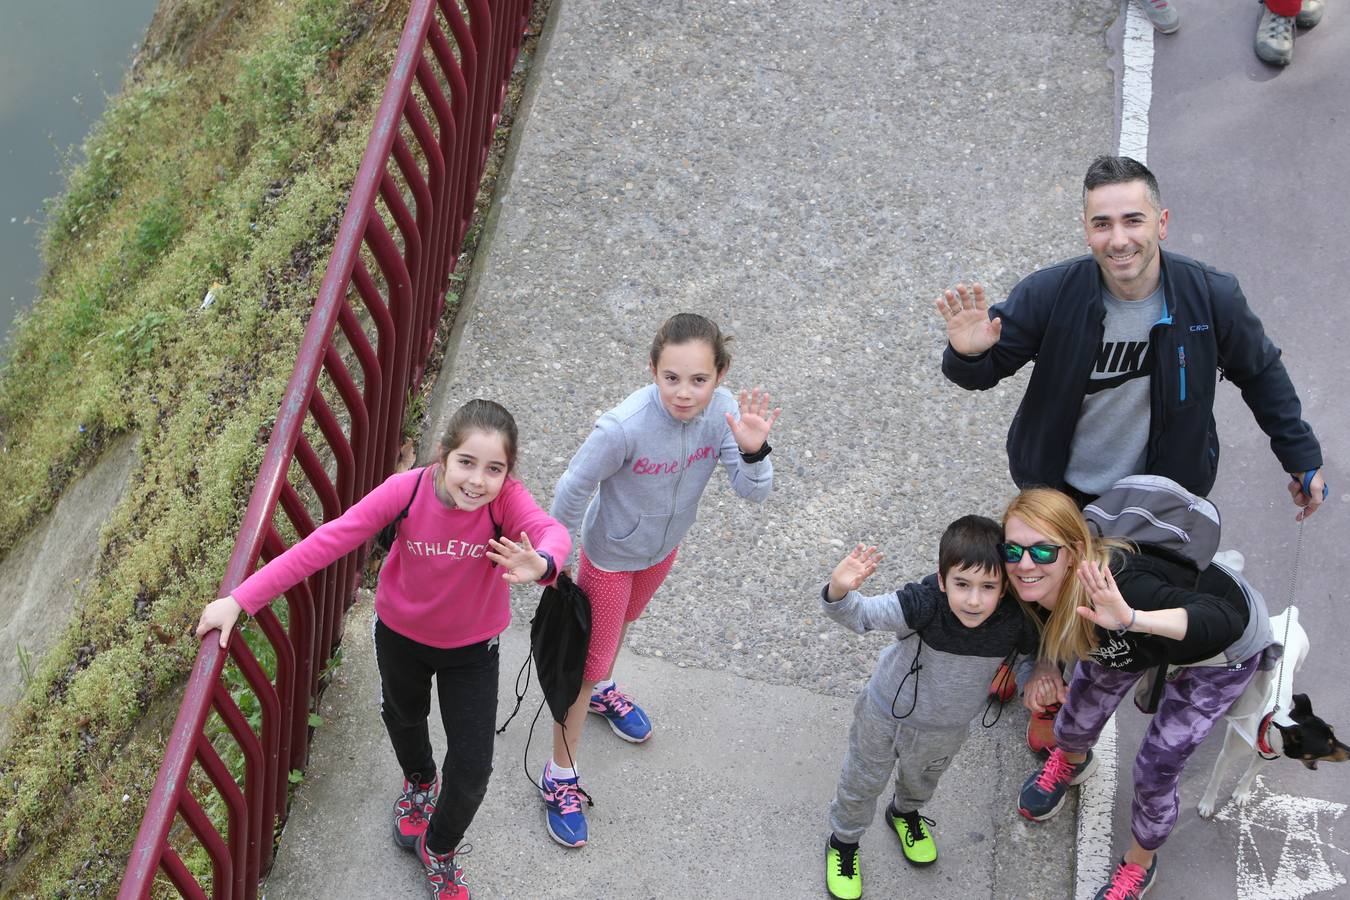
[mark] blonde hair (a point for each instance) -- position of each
(1066, 635)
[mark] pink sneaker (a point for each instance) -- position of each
(445, 876)
(413, 809)
(1130, 882)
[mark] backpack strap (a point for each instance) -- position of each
(497, 536)
(385, 539)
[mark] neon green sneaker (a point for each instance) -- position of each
(916, 837)
(843, 878)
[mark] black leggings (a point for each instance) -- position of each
(466, 686)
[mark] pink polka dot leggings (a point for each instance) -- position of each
(616, 598)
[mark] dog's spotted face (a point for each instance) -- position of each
(1310, 740)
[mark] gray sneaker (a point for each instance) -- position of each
(1311, 13)
(1275, 38)
(1163, 14)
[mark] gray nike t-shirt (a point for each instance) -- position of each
(1111, 440)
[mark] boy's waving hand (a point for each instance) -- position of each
(860, 564)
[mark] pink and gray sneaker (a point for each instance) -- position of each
(413, 809)
(445, 876)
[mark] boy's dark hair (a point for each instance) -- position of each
(485, 416)
(971, 542)
(1120, 170)
(682, 328)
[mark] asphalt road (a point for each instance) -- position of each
(810, 176)
(1251, 162)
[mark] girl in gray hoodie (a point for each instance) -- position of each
(647, 463)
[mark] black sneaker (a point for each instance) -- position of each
(1043, 793)
(1130, 882)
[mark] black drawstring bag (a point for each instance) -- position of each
(560, 634)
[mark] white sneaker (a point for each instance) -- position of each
(1275, 38)
(1163, 14)
(1311, 13)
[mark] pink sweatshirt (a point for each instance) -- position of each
(437, 586)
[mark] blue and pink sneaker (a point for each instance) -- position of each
(626, 718)
(562, 807)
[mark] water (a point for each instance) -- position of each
(58, 61)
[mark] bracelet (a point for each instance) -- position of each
(759, 454)
(1134, 613)
(550, 568)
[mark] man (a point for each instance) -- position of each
(1129, 343)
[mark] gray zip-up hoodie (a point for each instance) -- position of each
(937, 673)
(650, 469)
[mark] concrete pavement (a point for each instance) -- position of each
(728, 798)
(809, 175)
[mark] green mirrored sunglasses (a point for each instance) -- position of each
(1041, 554)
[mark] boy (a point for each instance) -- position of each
(917, 707)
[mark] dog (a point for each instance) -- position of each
(1298, 734)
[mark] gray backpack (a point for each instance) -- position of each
(1151, 509)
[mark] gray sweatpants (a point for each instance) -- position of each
(878, 743)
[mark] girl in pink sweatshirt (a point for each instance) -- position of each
(440, 605)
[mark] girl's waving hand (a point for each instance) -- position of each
(522, 562)
(752, 430)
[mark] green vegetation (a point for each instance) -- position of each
(224, 166)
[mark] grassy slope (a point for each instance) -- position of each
(227, 160)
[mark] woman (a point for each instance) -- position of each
(1116, 612)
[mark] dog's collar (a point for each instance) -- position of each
(1262, 743)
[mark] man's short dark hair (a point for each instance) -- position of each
(1120, 170)
(971, 542)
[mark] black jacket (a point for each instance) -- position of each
(1055, 316)
(1216, 611)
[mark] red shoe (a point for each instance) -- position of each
(413, 809)
(1004, 685)
(445, 877)
(1041, 730)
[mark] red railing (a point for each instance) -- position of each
(427, 149)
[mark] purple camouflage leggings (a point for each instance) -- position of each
(1191, 703)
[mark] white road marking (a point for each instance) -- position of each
(1303, 867)
(1136, 90)
(1097, 795)
(1096, 803)
(1295, 824)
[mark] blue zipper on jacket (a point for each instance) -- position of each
(1181, 364)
